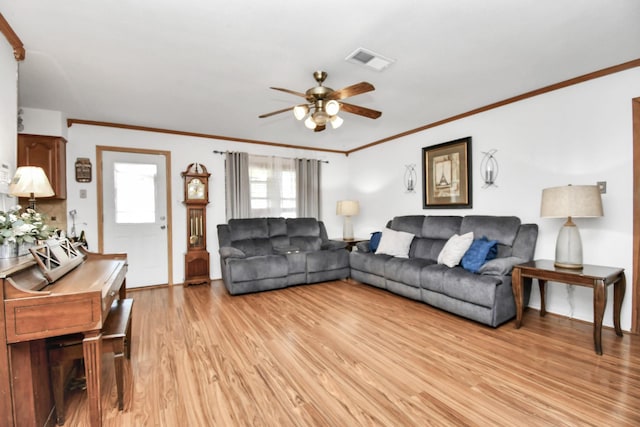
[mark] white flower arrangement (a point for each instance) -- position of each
(28, 226)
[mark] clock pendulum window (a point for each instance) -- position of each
(196, 199)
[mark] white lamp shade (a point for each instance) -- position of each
(571, 201)
(30, 181)
(336, 122)
(299, 111)
(347, 208)
(309, 123)
(332, 107)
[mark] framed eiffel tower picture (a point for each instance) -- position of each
(446, 175)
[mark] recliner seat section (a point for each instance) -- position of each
(259, 254)
(485, 297)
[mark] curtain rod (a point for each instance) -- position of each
(225, 152)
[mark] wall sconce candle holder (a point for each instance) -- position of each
(489, 168)
(410, 178)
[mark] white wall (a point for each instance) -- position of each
(83, 140)
(578, 135)
(8, 116)
(36, 121)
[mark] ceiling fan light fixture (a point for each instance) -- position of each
(309, 123)
(332, 107)
(299, 111)
(336, 122)
(320, 118)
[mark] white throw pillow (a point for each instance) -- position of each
(455, 249)
(396, 243)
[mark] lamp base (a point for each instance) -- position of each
(347, 230)
(569, 247)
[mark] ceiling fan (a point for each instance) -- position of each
(324, 104)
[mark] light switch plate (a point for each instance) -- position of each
(602, 185)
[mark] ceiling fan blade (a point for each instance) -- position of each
(352, 90)
(292, 92)
(361, 111)
(273, 113)
(319, 128)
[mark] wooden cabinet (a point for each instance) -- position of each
(50, 153)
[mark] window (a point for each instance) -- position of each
(272, 182)
(135, 192)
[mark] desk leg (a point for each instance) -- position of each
(542, 285)
(516, 285)
(92, 352)
(618, 295)
(599, 303)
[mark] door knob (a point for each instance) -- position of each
(162, 227)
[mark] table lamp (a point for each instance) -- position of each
(347, 208)
(31, 182)
(571, 201)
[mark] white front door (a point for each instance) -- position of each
(135, 214)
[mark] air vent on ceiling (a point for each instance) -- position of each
(369, 59)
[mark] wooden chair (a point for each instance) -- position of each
(116, 339)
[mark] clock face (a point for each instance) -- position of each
(195, 189)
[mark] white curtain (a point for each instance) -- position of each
(273, 186)
(308, 188)
(237, 190)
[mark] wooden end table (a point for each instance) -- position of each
(351, 243)
(592, 276)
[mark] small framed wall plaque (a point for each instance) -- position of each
(83, 169)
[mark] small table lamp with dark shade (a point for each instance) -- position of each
(347, 208)
(571, 201)
(31, 182)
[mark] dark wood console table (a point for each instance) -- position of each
(592, 276)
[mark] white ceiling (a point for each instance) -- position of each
(206, 66)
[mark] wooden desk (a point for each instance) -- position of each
(591, 276)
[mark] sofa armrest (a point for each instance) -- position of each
(231, 252)
(501, 266)
(363, 246)
(333, 244)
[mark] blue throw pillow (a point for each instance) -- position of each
(481, 251)
(374, 241)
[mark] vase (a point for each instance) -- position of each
(8, 250)
(23, 248)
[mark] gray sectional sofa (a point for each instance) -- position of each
(260, 254)
(485, 296)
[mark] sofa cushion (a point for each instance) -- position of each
(480, 251)
(306, 243)
(427, 248)
(405, 271)
(395, 243)
(441, 227)
(454, 249)
(474, 288)
(254, 247)
(277, 227)
(408, 223)
(432, 277)
(303, 227)
(231, 252)
(368, 262)
(248, 228)
(501, 228)
(257, 268)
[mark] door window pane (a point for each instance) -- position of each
(135, 192)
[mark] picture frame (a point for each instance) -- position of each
(446, 175)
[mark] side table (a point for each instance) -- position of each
(592, 276)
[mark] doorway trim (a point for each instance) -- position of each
(635, 312)
(167, 155)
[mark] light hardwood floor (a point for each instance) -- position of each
(347, 354)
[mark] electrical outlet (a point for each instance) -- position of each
(602, 185)
(83, 194)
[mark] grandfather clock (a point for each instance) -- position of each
(196, 199)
